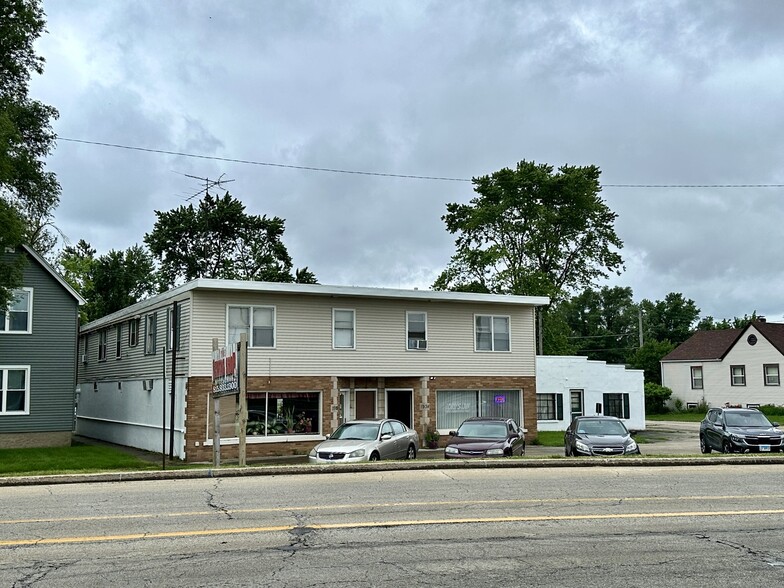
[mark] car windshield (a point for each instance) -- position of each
(356, 431)
(601, 427)
(482, 430)
(746, 419)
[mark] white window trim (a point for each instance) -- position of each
(103, 344)
(408, 314)
(134, 331)
(353, 327)
(767, 382)
(741, 376)
(7, 317)
(693, 380)
(250, 307)
(118, 341)
(147, 319)
(492, 332)
(3, 390)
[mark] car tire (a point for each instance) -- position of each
(726, 447)
(704, 447)
(374, 456)
(411, 453)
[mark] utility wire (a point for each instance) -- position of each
(381, 174)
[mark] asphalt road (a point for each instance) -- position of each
(576, 526)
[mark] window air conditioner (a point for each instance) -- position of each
(84, 358)
(147, 384)
(420, 344)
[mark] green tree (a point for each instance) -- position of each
(708, 323)
(648, 356)
(603, 323)
(656, 397)
(26, 134)
(108, 282)
(532, 231)
(218, 239)
(11, 237)
(121, 278)
(671, 319)
(76, 264)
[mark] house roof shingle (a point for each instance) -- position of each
(714, 345)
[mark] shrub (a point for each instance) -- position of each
(656, 397)
(772, 410)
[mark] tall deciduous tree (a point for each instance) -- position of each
(26, 134)
(218, 239)
(109, 282)
(604, 323)
(671, 319)
(534, 231)
(11, 267)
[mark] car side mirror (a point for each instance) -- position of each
(775, 424)
(386, 436)
(326, 436)
(452, 433)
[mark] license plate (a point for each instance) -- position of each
(764, 447)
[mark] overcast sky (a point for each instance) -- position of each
(652, 92)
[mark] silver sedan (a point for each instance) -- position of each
(367, 440)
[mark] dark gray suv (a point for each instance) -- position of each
(740, 430)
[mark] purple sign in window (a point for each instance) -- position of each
(500, 399)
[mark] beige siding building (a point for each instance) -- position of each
(318, 355)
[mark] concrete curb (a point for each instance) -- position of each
(424, 464)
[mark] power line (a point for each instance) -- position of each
(382, 174)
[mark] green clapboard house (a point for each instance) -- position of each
(38, 346)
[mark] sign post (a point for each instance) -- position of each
(228, 380)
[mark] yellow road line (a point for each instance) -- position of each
(356, 507)
(383, 524)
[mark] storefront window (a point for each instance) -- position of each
(283, 413)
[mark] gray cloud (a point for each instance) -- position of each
(653, 92)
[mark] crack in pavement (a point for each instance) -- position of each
(212, 504)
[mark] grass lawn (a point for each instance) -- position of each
(683, 417)
(74, 459)
(549, 439)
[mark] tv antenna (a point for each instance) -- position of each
(208, 184)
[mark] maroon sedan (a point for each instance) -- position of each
(486, 437)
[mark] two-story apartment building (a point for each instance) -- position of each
(317, 355)
(735, 366)
(38, 358)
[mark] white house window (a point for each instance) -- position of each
(133, 332)
(491, 333)
(118, 341)
(343, 328)
(257, 322)
(549, 407)
(617, 405)
(172, 333)
(771, 374)
(738, 375)
(416, 330)
(696, 377)
(454, 406)
(14, 389)
(150, 334)
(103, 338)
(19, 316)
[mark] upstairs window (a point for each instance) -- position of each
(416, 328)
(118, 341)
(696, 377)
(343, 327)
(738, 375)
(173, 329)
(150, 334)
(103, 338)
(491, 333)
(18, 317)
(771, 371)
(133, 332)
(257, 322)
